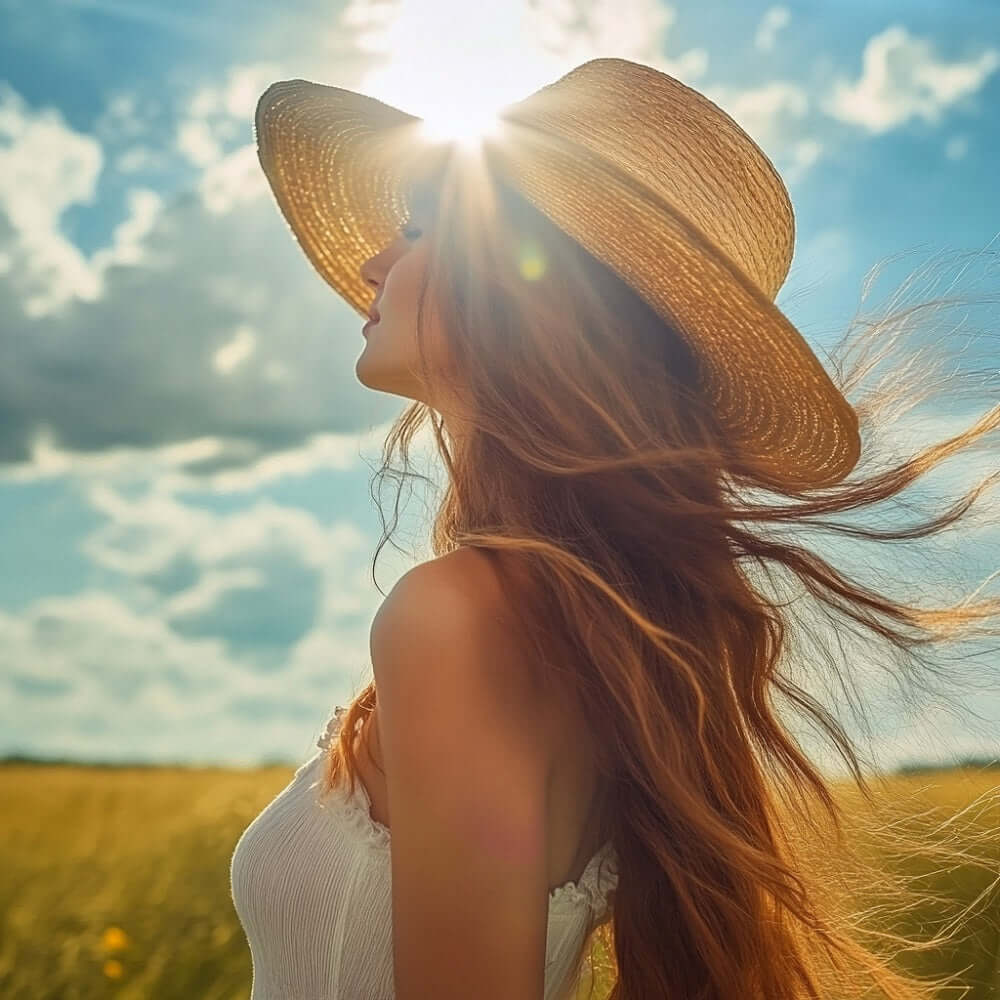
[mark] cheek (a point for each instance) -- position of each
(403, 293)
(403, 279)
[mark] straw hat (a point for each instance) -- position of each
(647, 175)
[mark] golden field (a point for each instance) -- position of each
(114, 882)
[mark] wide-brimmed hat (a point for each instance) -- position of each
(648, 175)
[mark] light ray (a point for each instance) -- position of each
(465, 125)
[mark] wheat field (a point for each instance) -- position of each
(114, 882)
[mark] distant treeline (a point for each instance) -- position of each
(921, 767)
(912, 767)
(152, 765)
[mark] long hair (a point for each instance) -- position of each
(669, 603)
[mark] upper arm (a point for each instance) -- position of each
(467, 779)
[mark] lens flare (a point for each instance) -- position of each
(531, 261)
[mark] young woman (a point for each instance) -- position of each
(573, 732)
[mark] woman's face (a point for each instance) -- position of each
(389, 359)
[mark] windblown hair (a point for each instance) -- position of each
(668, 603)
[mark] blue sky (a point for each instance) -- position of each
(185, 452)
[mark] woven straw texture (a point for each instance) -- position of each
(648, 175)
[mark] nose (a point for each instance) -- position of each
(373, 271)
(369, 272)
(375, 268)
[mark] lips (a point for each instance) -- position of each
(373, 317)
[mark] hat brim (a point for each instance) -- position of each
(339, 164)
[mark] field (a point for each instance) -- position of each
(114, 882)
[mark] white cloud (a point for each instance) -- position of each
(196, 141)
(903, 78)
(578, 30)
(45, 168)
(237, 96)
(232, 180)
(177, 280)
(126, 117)
(759, 107)
(774, 19)
(128, 238)
(217, 113)
(90, 676)
(259, 578)
(211, 622)
(805, 153)
(139, 158)
(234, 352)
(233, 468)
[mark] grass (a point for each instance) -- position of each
(114, 882)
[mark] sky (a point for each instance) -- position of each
(185, 451)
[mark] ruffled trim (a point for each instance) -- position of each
(354, 810)
(332, 728)
(599, 878)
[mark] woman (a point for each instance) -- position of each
(573, 725)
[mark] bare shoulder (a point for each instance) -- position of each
(458, 602)
(461, 590)
(467, 576)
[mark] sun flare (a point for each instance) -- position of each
(465, 126)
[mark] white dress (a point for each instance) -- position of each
(311, 883)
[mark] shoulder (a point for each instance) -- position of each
(451, 609)
(465, 578)
(446, 623)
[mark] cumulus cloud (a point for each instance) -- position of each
(45, 167)
(804, 153)
(126, 116)
(208, 620)
(201, 318)
(93, 677)
(216, 465)
(579, 30)
(774, 19)
(231, 181)
(211, 618)
(196, 140)
(137, 158)
(255, 578)
(902, 78)
(759, 107)
(218, 113)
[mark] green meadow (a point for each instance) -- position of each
(114, 882)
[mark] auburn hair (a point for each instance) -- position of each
(674, 604)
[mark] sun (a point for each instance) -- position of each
(465, 125)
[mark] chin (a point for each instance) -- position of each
(369, 374)
(364, 376)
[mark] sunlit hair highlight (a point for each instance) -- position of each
(674, 600)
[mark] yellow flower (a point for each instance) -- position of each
(113, 969)
(113, 939)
